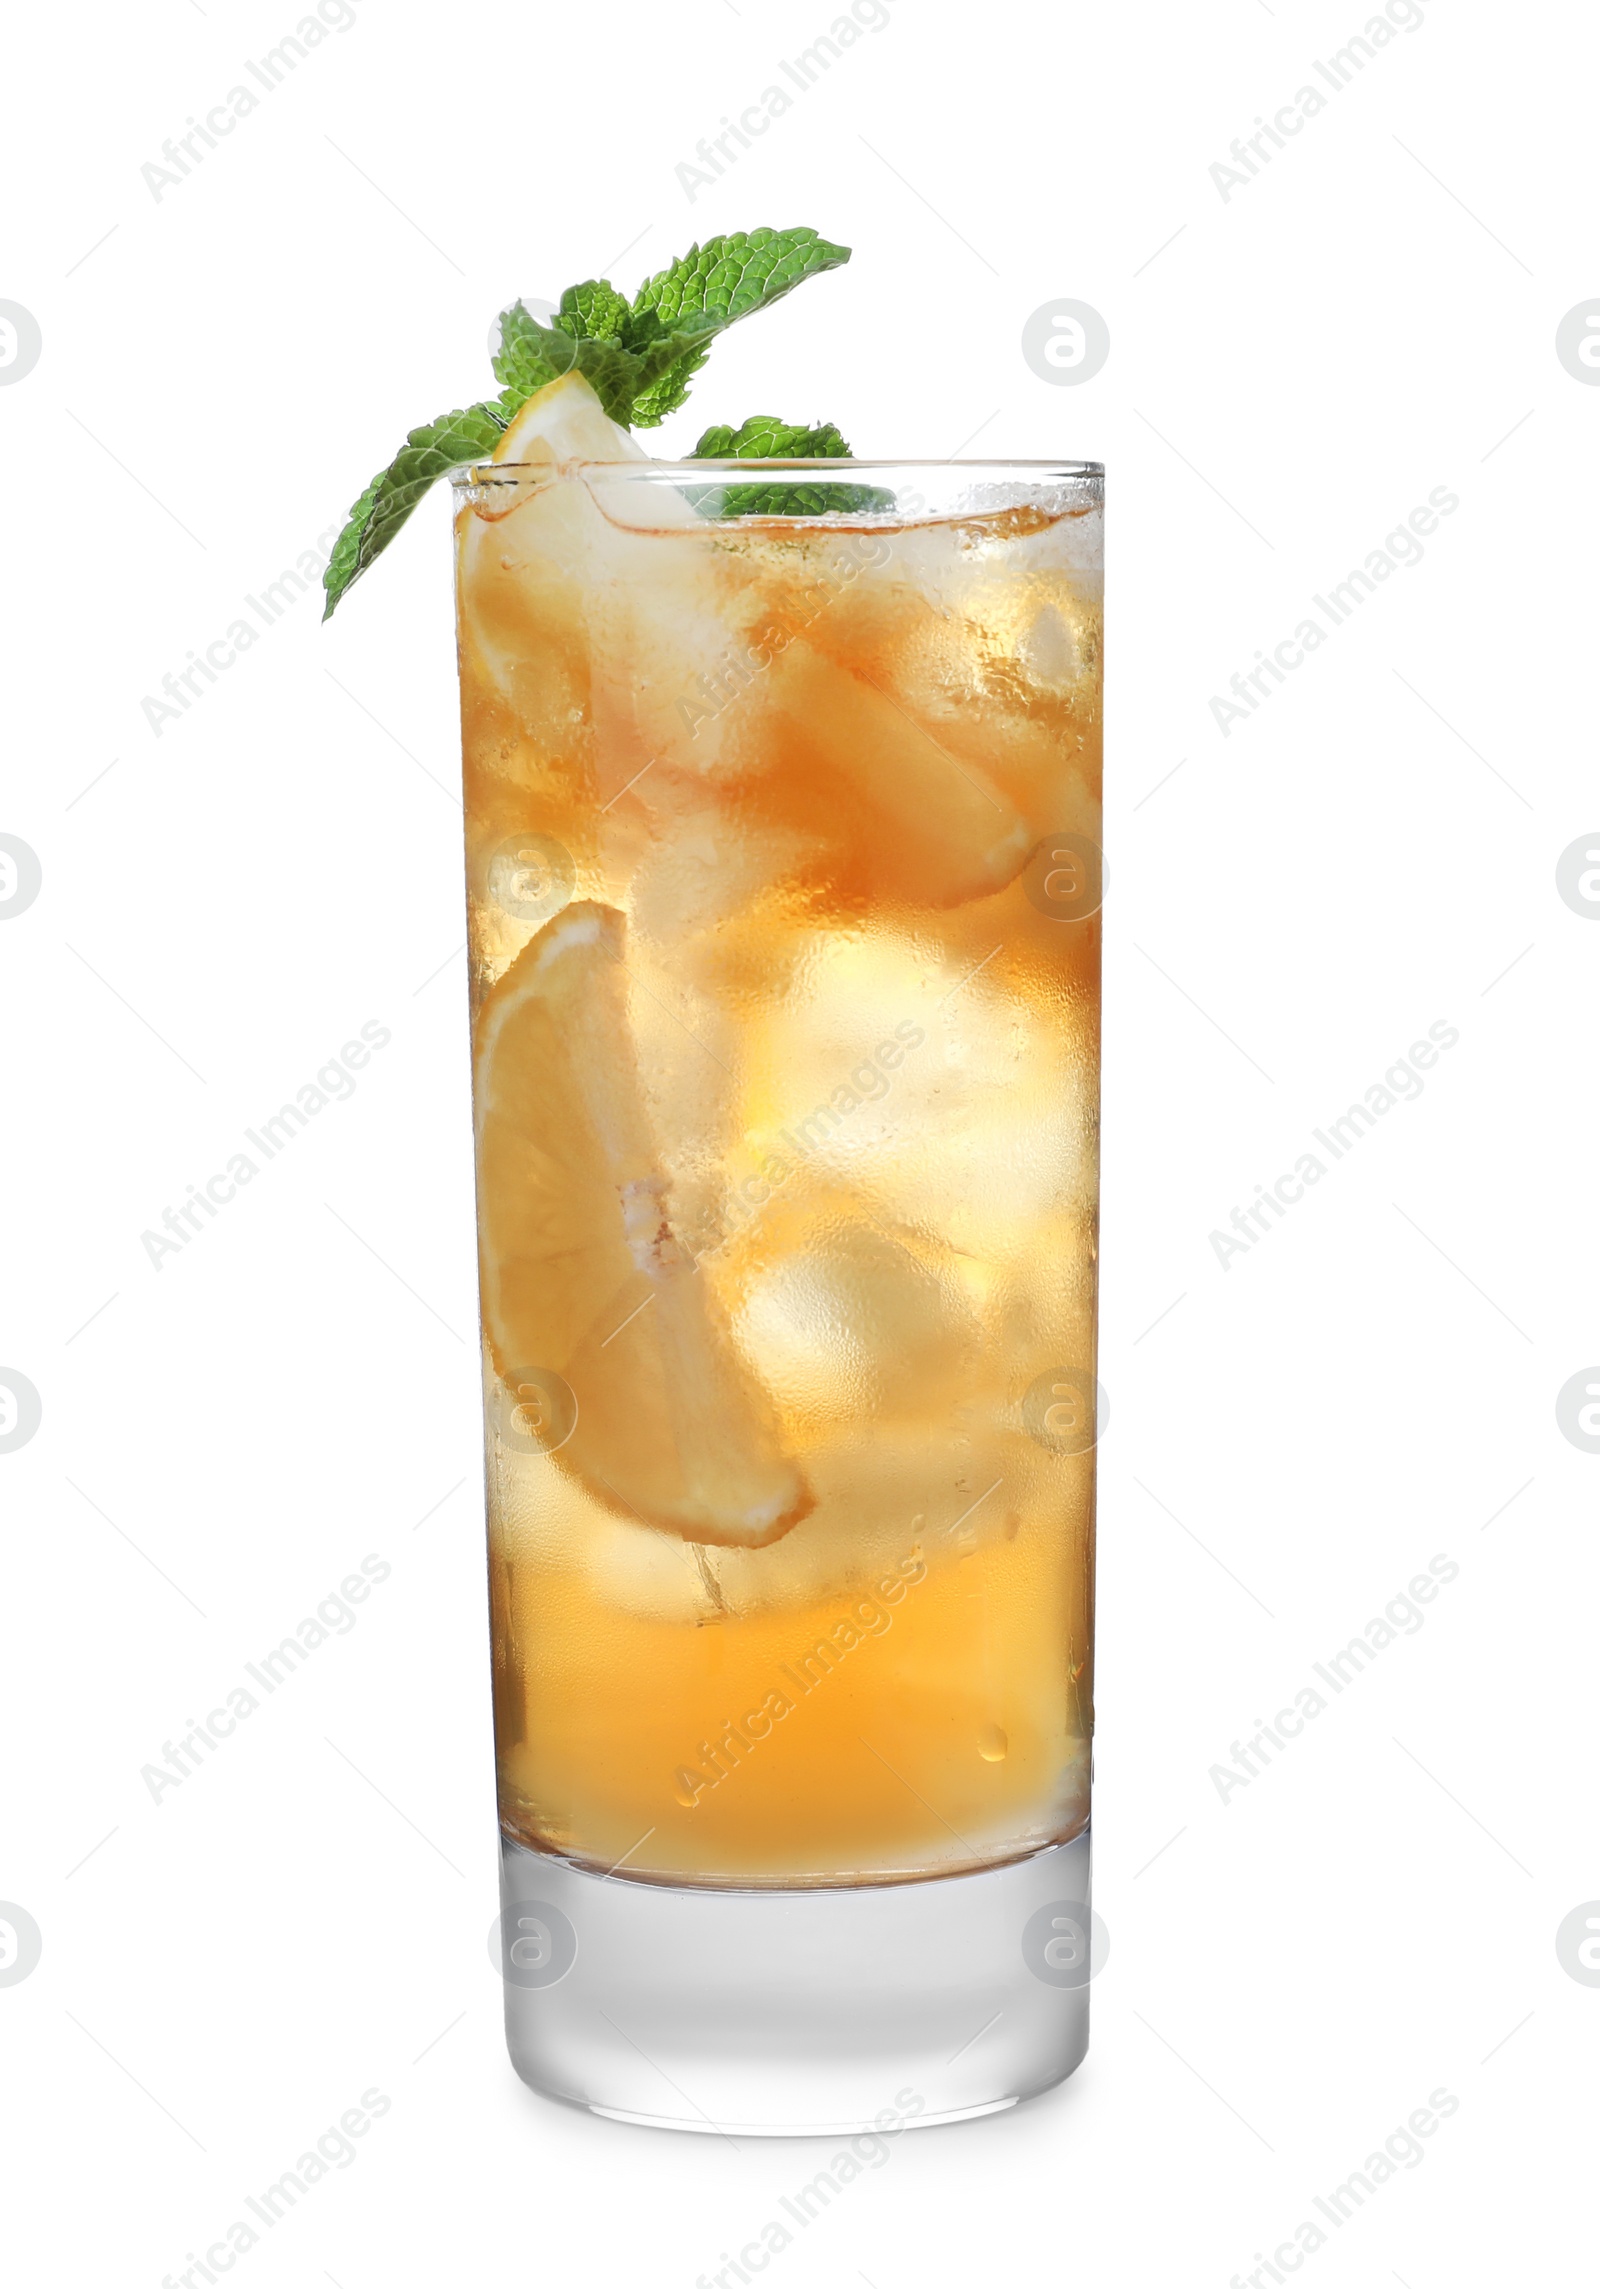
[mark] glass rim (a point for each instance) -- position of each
(751, 472)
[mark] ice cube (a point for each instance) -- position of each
(850, 1320)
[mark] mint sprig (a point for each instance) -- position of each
(763, 437)
(639, 358)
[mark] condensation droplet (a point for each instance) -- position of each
(992, 1745)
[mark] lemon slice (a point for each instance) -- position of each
(548, 581)
(583, 1275)
(564, 421)
(526, 557)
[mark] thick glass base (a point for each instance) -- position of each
(800, 2012)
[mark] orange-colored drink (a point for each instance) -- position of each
(782, 863)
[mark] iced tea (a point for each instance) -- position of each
(782, 815)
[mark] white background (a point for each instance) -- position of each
(1293, 369)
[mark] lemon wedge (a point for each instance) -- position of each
(583, 1274)
(564, 421)
(526, 550)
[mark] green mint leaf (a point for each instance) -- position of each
(531, 355)
(594, 311)
(729, 277)
(642, 330)
(711, 286)
(765, 438)
(522, 362)
(665, 372)
(468, 435)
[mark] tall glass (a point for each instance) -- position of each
(782, 826)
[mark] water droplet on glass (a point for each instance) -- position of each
(992, 1745)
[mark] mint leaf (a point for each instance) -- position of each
(468, 435)
(665, 375)
(531, 355)
(638, 368)
(708, 288)
(595, 310)
(763, 437)
(522, 360)
(729, 277)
